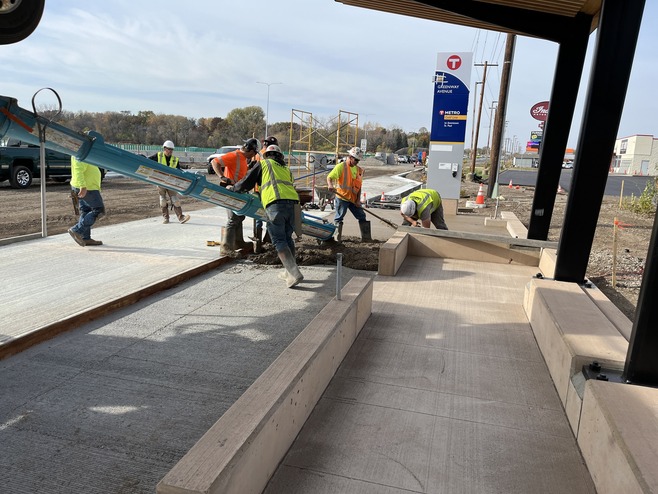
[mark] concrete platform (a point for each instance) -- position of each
(445, 388)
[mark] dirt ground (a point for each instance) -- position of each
(129, 200)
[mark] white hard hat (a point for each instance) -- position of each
(408, 207)
(168, 144)
(356, 153)
(273, 148)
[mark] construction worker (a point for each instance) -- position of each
(268, 141)
(86, 185)
(422, 208)
(281, 203)
(169, 197)
(345, 180)
(258, 223)
(231, 168)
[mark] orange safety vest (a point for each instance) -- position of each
(235, 165)
(349, 187)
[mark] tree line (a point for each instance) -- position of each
(149, 128)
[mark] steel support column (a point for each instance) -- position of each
(568, 73)
(641, 363)
(617, 34)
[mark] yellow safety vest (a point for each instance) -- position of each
(84, 175)
(276, 182)
(424, 198)
(162, 159)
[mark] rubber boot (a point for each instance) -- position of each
(228, 241)
(183, 218)
(293, 274)
(165, 214)
(339, 231)
(364, 226)
(258, 234)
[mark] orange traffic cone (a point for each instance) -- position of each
(480, 198)
(365, 201)
(511, 185)
(382, 198)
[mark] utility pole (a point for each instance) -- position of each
(500, 115)
(475, 92)
(477, 128)
(491, 126)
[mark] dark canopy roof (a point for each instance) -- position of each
(514, 16)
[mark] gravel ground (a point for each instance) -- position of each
(632, 241)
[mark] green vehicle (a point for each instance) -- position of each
(20, 163)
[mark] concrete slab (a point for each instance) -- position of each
(428, 401)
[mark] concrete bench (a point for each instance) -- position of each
(241, 451)
(571, 331)
(618, 437)
(393, 253)
(514, 226)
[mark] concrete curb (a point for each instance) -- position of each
(241, 451)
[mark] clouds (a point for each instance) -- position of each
(203, 58)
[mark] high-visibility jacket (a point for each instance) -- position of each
(349, 183)
(424, 198)
(276, 182)
(234, 163)
(162, 159)
(84, 175)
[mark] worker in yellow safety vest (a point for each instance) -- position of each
(169, 197)
(422, 208)
(281, 203)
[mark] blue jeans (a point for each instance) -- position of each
(281, 224)
(91, 207)
(343, 206)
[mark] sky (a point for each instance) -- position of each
(318, 56)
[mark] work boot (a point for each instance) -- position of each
(364, 226)
(339, 231)
(293, 275)
(183, 218)
(165, 214)
(91, 242)
(77, 237)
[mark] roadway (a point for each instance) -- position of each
(633, 184)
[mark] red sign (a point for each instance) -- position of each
(454, 62)
(539, 111)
